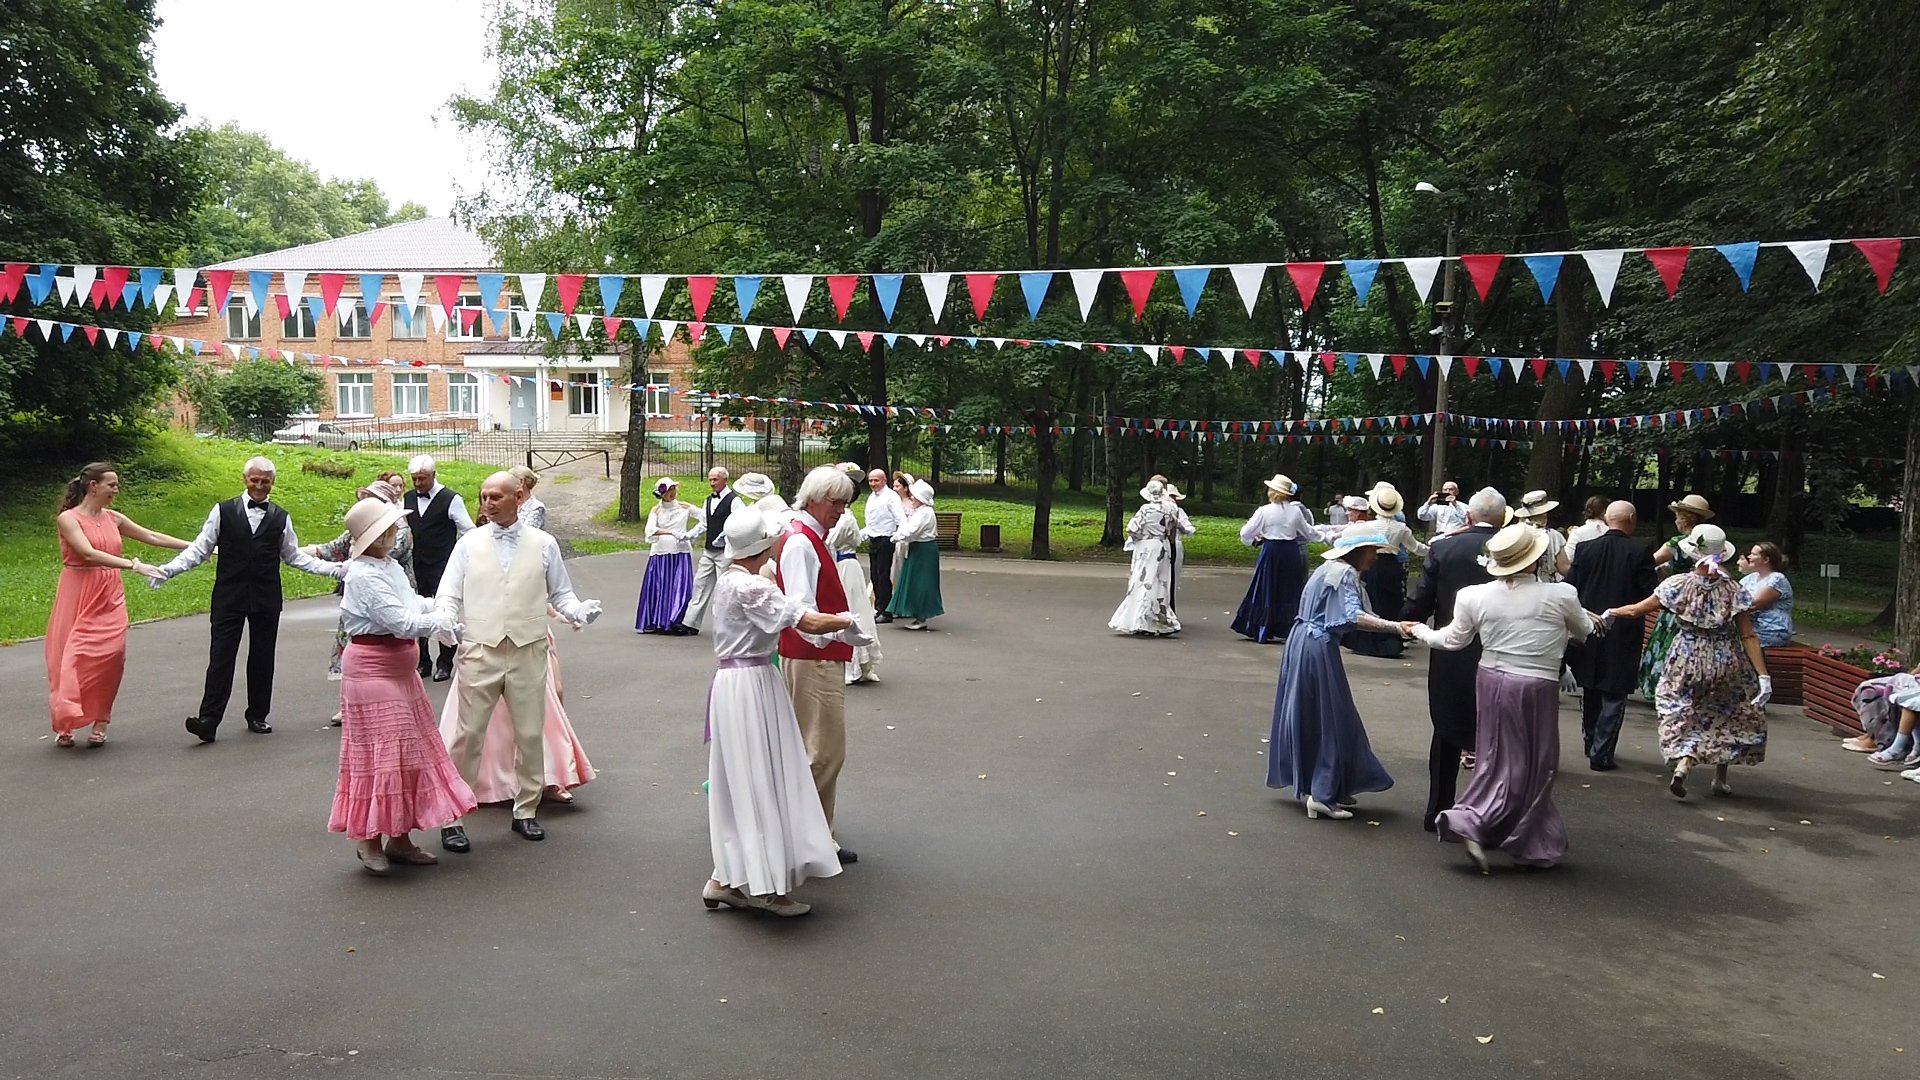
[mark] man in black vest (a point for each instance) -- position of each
(712, 560)
(1612, 570)
(253, 537)
(1453, 563)
(439, 519)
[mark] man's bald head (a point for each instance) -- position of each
(1622, 516)
(500, 496)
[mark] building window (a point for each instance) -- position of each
(467, 309)
(463, 393)
(583, 393)
(410, 393)
(407, 324)
(240, 323)
(659, 402)
(297, 325)
(356, 325)
(353, 394)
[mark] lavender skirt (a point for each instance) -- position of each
(664, 593)
(1509, 802)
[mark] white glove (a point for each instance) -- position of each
(1568, 684)
(1606, 623)
(157, 578)
(448, 633)
(586, 613)
(1766, 692)
(856, 637)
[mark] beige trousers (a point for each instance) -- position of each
(519, 674)
(707, 568)
(819, 690)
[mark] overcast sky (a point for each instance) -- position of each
(355, 88)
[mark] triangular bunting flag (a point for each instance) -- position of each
(533, 289)
(1246, 280)
(447, 287)
(1546, 273)
(753, 334)
(699, 294)
(797, 286)
(259, 284)
(746, 289)
(1033, 285)
(1086, 286)
(1604, 267)
(840, 288)
(611, 286)
(1422, 272)
(1192, 281)
(1671, 262)
(1812, 255)
(220, 281)
(1139, 285)
(568, 286)
(886, 292)
(980, 289)
(935, 286)
(1741, 257)
(1881, 255)
(1482, 268)
(332, 284)
(1306, 280)
(1361, 272)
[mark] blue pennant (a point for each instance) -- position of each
(891, 339)
(1741, 257)
(370, 291)
(150, 283)
(1362, 272)
(972, 342)
(1353, 362)
(1279, 357)
(40, 283)
(886, 289)
(610, 288)
(1192, 282)
(1633, 371)
(127, 293)
(808, 335)
(641, 327)
(1423, 363)
(1546, 273)
(1565, 367)
(197, 344)
(556, 322)
(258, 282)
(725, 330)
(133, 341)
(1700, 372)
(316, 307)
(253, 353)
(746, 289)
(490, 286)
(1034, 284)
(1497, 365)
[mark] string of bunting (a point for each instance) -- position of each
(100, 284)
(1220, 436)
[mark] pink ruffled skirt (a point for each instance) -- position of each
(395, 775)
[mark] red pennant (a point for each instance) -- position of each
(116, 280)
(569, 286)
(840, 287)
(695, 331)
(1306, 280)
(1139, 285)
(1327, 360)
(195, 298)
(97, 296)
(1539, 370)
(222, 283)
(1252, 355)
(866, 339)
(1481, 269)
(448, 288)
(1399, 366)
(1471, 364)
(1881, 255)
(285, 305)
(93, 334)
(469, 318)
(1676, 369)
(943, 339)
(608, 323)
(10, 281)
(1670, 262)
(780, 335)
(700, 291)
(20, 327)
(1607, 368)
(980, 288)
(1743, 369)
(1179, 353)
(330, 285)
(373, 313)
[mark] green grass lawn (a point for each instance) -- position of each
(169, 486)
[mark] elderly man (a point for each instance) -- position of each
(254, 536)
(712, 559)
(814, 665)
(1613, 570)
(884, 518)
(499, 582)
(438, 519)
(1453, 563)
(1444, 510)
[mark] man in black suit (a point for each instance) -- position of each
(253, 536)
(1612, 570)
(1453, 563)
(438, 518)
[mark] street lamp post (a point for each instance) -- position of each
(1447, 315)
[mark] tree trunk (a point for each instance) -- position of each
(1077, 453)
(633, 464)
(1112, 534)
(1573, 336)
(1000, 460)
(1787, 523)
(1046, 466)
(1906, 596)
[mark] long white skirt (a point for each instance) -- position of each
(1148, 606)
(763, 812)
(853, 581)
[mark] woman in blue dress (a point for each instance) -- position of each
(1319, 746)
(1280, 529)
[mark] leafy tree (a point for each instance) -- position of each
(268, 390)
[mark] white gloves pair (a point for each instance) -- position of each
(1766, 692)
(856, 637)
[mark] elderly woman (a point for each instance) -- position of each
(1319, 746)
(1710, 698)
(340, 549)
(1147, 609)
(767, 831)
(667, 587)
(843, 540)
(1280, 529)
(395, 775)
(1671, 558)
(1766, 581)
(1534, 509)
(1386, 580)
(532, 510)
(916, 592)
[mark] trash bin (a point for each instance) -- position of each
(989, 538)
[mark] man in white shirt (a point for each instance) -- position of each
(499, 582)
(254, 536)
(884, 518)
(1444, 510)
(711, 560)
(438, 518)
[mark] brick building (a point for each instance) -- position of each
(445, 371)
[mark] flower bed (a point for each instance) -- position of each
(1830, 675)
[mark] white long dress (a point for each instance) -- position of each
(843, 540)
(1148, 605)
(763, 813)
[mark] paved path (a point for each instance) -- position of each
(1038, 896)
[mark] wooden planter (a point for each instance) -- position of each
(1827, 687)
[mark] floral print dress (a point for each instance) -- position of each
(1660, 638)
(1706, 687)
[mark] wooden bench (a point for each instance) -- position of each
(1787, 665)
(946, 529)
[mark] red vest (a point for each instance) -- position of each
(829, 598)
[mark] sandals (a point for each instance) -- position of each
(96, 740)
(64, 739)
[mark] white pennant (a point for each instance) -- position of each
(797, 286)
(919, 340)
(1227, 354)
(1850, 370)
(1374, 360)
(161, 294)
(1423, 272)
(580, 319)
(522, 323)
(1813, 258)
(343, 311)
(296, 284)
(233, 350)
(1086, 286)
(1604, 266)
(1153, 353)
(67, 288)
(83, 277)
(1586, 368)
(1653, 372)
(46, 329)
(651, 288)
(439, 316)
(1300, 357)
(532, 288)
(183, 283)
(839, 337)
(410, 290)
(753, 334)
(667, 327)
(113, 335)
(936, 288)
(1247, 278)
(1721, 367)
(996, 342)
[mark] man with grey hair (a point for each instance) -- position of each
(438, 518)
(1453, 563)
(1613, 570)
(814, 665)
(712, 559)
(885, 515)
(254, 536)
(1443, 510)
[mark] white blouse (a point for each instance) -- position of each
(1523, 625)
(919, 525)
(682, 521)
(378, 600)
(748, 614)
(1278, 521)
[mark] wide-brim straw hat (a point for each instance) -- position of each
(1536, 504)
(753, 485)
(749, 532)
(1385, 501)
(1282, 483)
(664, 485)
(1695, 505)
(1515, 549)
(1174, 493)
(1707, 542)
(368, 520)
(1355, 536)
(378, 489)
(1356, 502)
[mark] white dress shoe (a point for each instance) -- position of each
(784, 906)
(1316, 808)
(1478, 856)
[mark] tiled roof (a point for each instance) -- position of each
(427, 245)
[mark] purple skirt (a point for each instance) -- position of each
(664, 593)
(1509, 802)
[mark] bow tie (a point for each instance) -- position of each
(252, 505)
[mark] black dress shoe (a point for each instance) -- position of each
(200, 729)
(454, 839)
(259, 727)
(442, 672)
(529, 828)
(425, 670)
(883, 617)
(848, 855)
(1602, 766)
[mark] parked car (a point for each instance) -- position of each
(320, 433)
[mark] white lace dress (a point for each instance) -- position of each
(1148, 605)
(763, 813)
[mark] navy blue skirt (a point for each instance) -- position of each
(1273, 596)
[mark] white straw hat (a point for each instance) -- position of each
(1282, 483)
(1515, 549)
(1536, 504)
(1355, 536)
(1153, 492)
(1385, 501)
(1706, 542)
(749, 532)
(753, 485)
(1695, 505)
(368, 520)
(922, 492)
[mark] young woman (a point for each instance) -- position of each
(916, 591)
(86, 646)
(668, 586)
(1766, 581)
(532, 510)
(1280, 529)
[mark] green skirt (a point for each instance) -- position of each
(917, 594)
(1654, 659)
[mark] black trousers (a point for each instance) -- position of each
(880, 560)
(263, 631)
(426, 655)
(1443, 778)
(1601, 715)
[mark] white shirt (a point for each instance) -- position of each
(884, 514)
(290, 553)
(1278, 521)
(683, 521)
(920, 525)
(506, 542)
(799, 567)
(1523, 625)
(1583, 532)
(380, 600)
(1445, 517)
(456, 508)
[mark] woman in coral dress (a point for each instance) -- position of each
(87, 632)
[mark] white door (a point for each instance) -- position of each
(520, 404)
